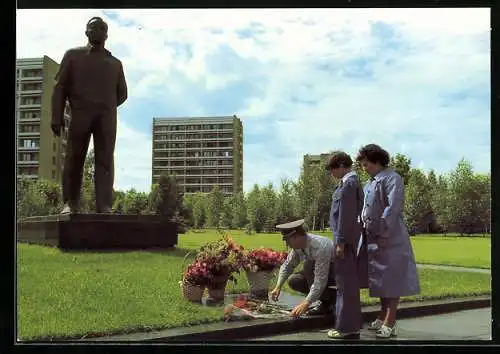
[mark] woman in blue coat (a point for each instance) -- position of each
(392, 271)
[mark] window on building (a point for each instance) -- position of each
(29, 143)
(31, 100)
(53, 174)
(32, 73)
(54, 160)
(54, 147)
(28, 171)
(31, 86)
(30, 114)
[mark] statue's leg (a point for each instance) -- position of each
(76, 150)
(104, 131)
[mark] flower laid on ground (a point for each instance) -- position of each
(263, 259)
(244, 309)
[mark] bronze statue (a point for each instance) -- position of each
(93, 82)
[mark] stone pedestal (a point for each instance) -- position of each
(98, 231)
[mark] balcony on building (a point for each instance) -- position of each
(29, 115)
(34, 101)
(30, 88)
(28, 162)
(29, 145)
(31, 75)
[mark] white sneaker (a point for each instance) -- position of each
(375, 325)
(386, 332)
(334, 334)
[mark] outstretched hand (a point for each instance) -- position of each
(300, 309)
(275, 294)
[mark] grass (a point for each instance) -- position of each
(474, 252)
(69, 295)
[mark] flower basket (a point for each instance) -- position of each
(260, 267)
(258, 283)
(218, 282)
(217, 287)
(193, 281)
(191, 292)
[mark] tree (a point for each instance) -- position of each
(364, 177)
(314, 190)
(326, 187)
(215, 205)
(440, 203)
(188, 202)
(239, 210)
(119, 201)
(198, 209)
(418, 208)
(30, 201)
(38, 197)
(308, 190)
(87, 193)
(463, 196)
(287, 203)
(483, 204)
(135, 202)
(226, 213)
(165, 200)
(256, 217)
(432, 179)
(402, 165)
(268, 202)
(51, 193)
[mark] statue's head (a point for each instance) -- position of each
(97, 31)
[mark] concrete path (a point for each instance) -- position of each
(463, 325)
(454, 268)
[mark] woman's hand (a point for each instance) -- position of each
(275, 294)
(339, 251)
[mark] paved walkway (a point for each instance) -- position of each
(454, 268)
(464, 325)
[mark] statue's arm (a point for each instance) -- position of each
(121, 89)
(61, 89)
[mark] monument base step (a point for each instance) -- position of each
(98, 231)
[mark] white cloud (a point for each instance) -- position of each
(434, 52)
(132, 159)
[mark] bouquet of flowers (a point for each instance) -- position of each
(197, 273)
(221, 258)
(263, 259)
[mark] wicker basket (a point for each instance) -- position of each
(192, 292)
(258, 283)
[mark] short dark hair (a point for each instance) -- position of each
(375, 154)
(338, 159)
(97, 19)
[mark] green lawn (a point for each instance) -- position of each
(76, 294)
(474, 252)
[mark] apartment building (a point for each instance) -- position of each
(200, 152)
(314, 160)
(39, 152)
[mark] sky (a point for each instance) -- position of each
(415, 81)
